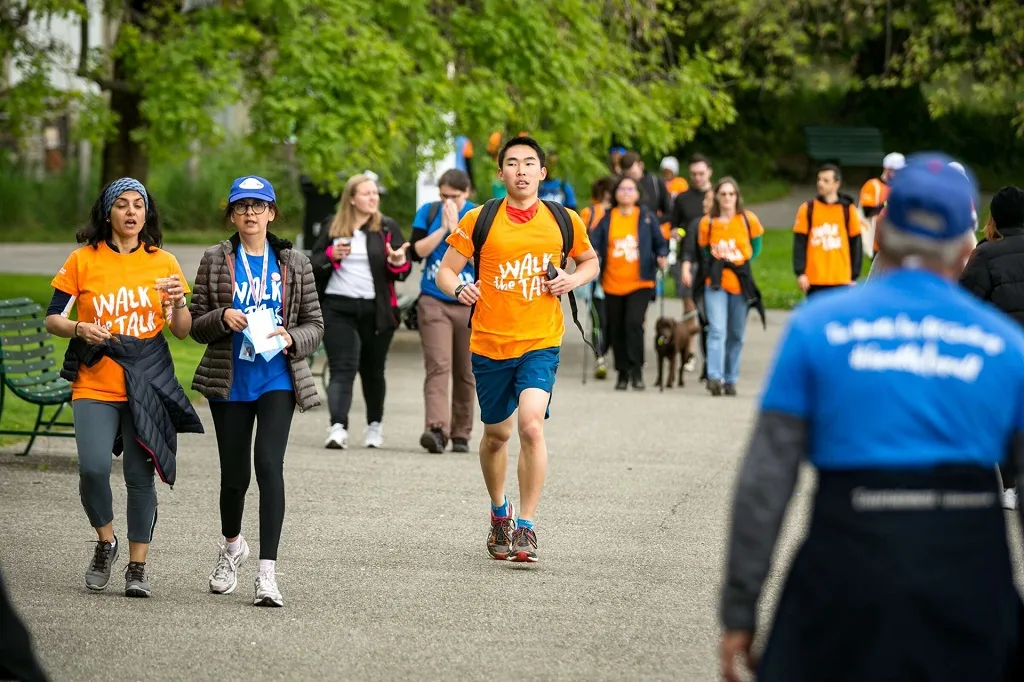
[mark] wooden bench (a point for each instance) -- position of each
(856, 147)
(27, 362)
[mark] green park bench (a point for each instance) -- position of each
(845, 146)
(27, 363)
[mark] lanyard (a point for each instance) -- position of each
(263, 275)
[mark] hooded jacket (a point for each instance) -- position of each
(159, 406)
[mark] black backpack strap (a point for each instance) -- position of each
(435, 208)
(483, 225)
(810, 216)
(565, 227)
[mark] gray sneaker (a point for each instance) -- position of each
(224, 578)
(97, 577)
(267, 593)
(136, 584)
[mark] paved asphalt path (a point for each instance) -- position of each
(382, 562)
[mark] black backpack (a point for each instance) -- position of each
(847, 204)
(483, 227)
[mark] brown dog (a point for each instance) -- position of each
(672, 343)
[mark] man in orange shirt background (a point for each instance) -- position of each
(517, 327)
(827, 250)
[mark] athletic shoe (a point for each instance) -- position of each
(1010, 498)
(337, 438)
(622, 383)
(638, 382)
(729, 389)
(136, 584)
(433, 440)
(714, 387)
(691, 364)
(502, 528)
(523, 546)
(97, 576)
(373, 436)
(267, 593)
(601, 368)
(224, 578)
(460, 445)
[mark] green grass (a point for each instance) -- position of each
(18, 414)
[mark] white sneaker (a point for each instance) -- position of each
(337, 437)
(267, 593)
(691, 364)
(373, 436)
(224, 578)
(1010, 498)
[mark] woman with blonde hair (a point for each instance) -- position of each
(357, 259)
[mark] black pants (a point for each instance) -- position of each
(354, 345)
(599, 320)
(818, 288)
(626, 328)
(233, 422)
(17, 658)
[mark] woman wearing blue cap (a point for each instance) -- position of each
(256, 308)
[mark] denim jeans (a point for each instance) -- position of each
(727, 324)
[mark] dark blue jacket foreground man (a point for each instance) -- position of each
(905, 572)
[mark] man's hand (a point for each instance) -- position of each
(687, 275)
(235, 319)
(562, 284)
(804, 283)
(736, 643)
(470, 294)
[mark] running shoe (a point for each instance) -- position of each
(523, 546)
(502, 527)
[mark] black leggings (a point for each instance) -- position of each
(626, 328)
(354, 345)
(233, 422)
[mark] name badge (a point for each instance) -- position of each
(247, 352)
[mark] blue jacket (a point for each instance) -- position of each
(651, 242)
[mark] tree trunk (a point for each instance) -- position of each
(123, 156)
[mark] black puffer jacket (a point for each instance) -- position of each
(995, 272)
(159, 406)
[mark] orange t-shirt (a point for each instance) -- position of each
(677, 185)
(874, 193)
(828, 244)
(621, 275)
(729, 241)
(119, 292)
(515, 314)
(591, 215)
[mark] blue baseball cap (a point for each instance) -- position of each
(251, 187)
(932, 199)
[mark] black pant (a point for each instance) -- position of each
(17, 658)
(354, 344)
(626, 328)
(233, 422)
(599, 320)
(818, 288)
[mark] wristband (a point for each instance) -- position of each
(76, 328)
(183, 304)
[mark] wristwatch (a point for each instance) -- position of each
(184, 304)
(458, 290)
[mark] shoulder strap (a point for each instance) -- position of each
(435, 208)
(810, 216)
(480, 229)
(846, 217)
(565, 226)
(746, 221)
(591, 222)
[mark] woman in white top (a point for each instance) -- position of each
(356, 260)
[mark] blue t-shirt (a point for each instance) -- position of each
(911, 371)
(432, 262)
(253, 379)
(554, 189)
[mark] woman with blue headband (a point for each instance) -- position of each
(126, 289)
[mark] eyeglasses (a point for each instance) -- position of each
(627, 189)
(258, 207)
(453, 197)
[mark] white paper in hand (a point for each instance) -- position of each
(269, 355)
(262, 323)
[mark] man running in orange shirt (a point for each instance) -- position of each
(517, 331)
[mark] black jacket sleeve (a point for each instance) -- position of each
(764, 487)
(976, 277)
(799, 253)
(856, 256)
(418, 233)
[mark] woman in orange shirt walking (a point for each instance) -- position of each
(630, 249)
(729, 237)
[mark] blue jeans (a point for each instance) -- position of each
(727, 324)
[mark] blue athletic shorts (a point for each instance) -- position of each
(499, 382)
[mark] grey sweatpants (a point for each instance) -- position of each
(97, 424)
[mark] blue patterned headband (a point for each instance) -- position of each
(119, 187)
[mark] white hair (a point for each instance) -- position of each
(904, 247)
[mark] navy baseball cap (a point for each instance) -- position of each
(251, 187)
(932, 199)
